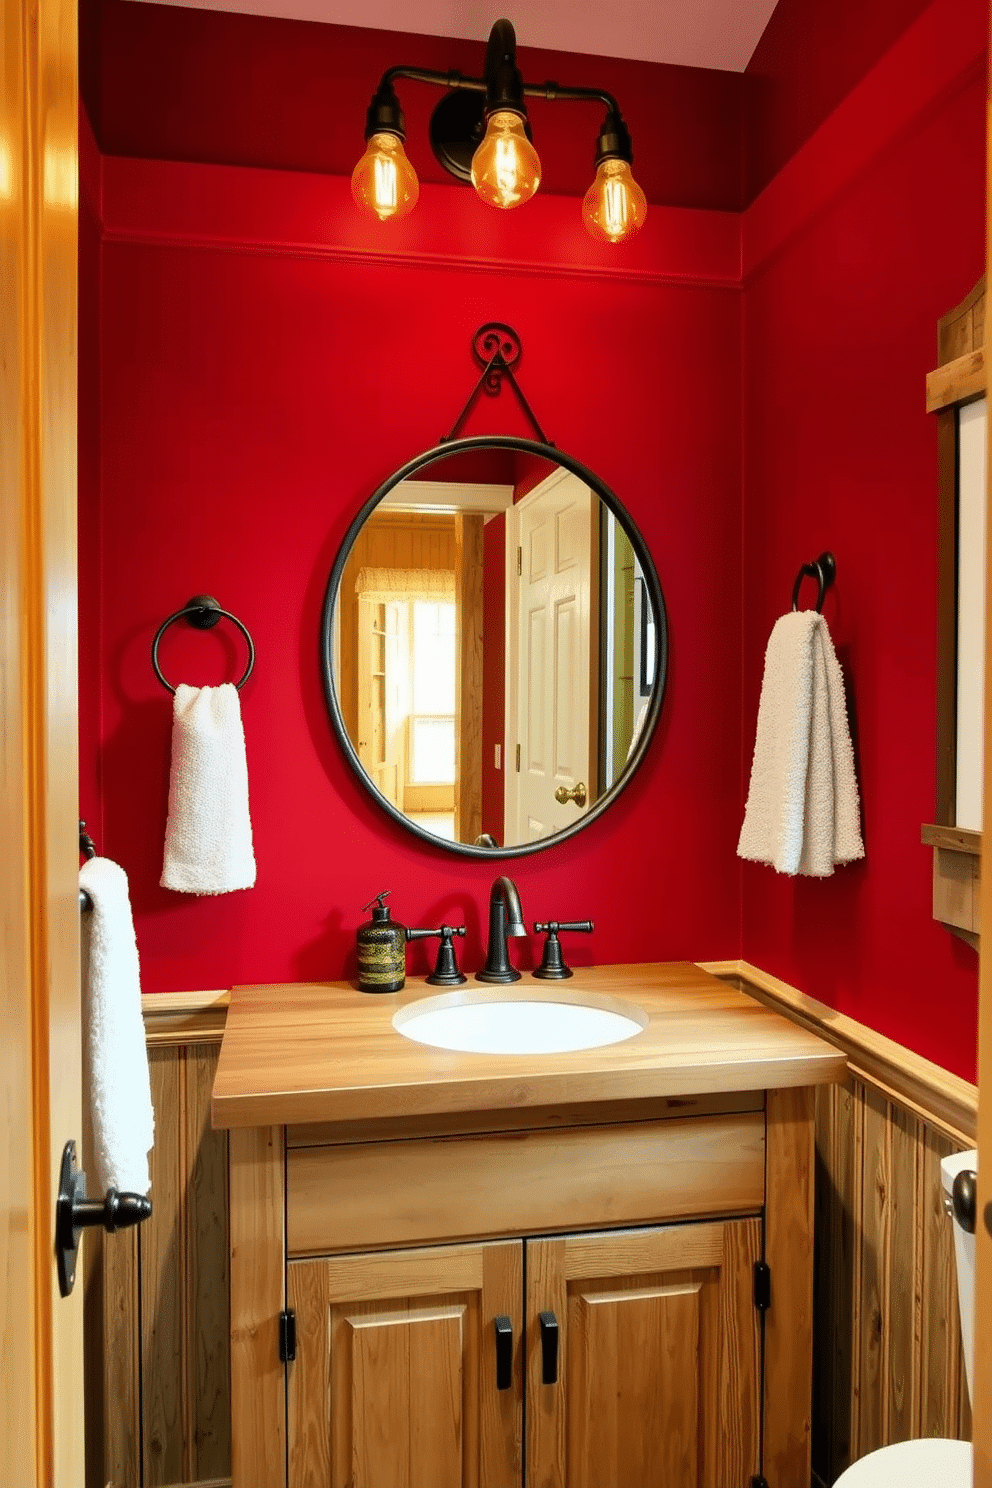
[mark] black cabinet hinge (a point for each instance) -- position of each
(287, 1336)
(762, 1301)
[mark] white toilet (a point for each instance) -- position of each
(926, 1463)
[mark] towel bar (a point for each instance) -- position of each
(203, 612)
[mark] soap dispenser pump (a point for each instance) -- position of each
(381, 949)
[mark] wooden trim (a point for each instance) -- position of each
(385, 1195)
(982, 1382)
(468, 677)
(788, 1376)
(184, 1017)
(534, 1118)
(961, 381)
(956, 839)
(963, 328)
(940, 1098)
(258, 1290)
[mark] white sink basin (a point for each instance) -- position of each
(503, 1020)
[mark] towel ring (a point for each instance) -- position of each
(203, 612)
(823, 570)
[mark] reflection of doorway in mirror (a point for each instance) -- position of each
(552, 656)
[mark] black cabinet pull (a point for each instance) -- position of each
(504, 1352)
(549, 1348)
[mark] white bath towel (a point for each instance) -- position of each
(208, 846)
(802, 814)
(114, 1051)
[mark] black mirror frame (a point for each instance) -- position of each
(548, 452)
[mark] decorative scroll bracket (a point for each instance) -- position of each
(496, 347)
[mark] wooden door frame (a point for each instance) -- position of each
(982, 1401)
(39, 987)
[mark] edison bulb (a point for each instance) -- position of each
(505, 168)
(384, 181)
(614, 206)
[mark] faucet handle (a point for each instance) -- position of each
(552, 967)
(445, 973)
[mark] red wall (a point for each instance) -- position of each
(871, 233)
(262, 372)
(810, 56)
(266, 359)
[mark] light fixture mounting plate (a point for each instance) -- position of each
(456, 129)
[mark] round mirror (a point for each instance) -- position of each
(494, 646)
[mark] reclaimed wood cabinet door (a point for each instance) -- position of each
(394, 1381)
(658, 1363)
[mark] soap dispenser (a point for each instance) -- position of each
(381, 949)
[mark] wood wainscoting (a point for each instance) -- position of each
(887, 1356)
(887, 1350)
(158, 1395)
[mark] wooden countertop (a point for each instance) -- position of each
(324, 1052)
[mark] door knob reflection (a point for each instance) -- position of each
(576, 794)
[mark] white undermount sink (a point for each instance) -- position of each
(507, 1020)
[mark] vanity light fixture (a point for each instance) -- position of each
(480, 133)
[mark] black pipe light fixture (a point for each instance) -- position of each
(480, 134)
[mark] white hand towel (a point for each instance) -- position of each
(803, 813)
(208, 846)
(115, 1054)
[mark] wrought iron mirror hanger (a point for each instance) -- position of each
(497, 352)
(480, 133)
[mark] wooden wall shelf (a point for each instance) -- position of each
(961, 381)
(957, 878)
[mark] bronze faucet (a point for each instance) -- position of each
(505, 918)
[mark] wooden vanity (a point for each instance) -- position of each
(527, 1269)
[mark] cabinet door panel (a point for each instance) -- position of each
(632, 1354)
(658, 1358)
(394, 1383)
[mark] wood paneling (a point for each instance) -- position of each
(160, 1297)
(887, 1360)
(887, 1344)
